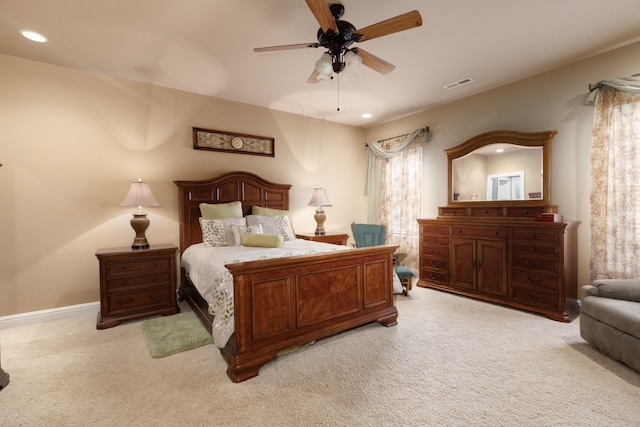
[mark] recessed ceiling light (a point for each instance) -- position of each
(33, 36)
(367, 115)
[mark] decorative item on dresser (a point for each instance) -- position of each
(334, 238)
(495, 250)
(136, 284)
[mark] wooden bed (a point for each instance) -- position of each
(285, 302)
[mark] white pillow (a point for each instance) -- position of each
(280, 225)
(240, 231)
(229, 223)
(212, 232)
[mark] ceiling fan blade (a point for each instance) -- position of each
(375, 63)
(285, 47)
(320, 9)
(313, 78)
(392, 25)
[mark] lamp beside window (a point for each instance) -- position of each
(140, 195)
(319, 199)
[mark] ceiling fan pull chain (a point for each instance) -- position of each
(338, 81)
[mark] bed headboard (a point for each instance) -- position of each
(248, 188)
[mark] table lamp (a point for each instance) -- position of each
(139, 195)
(319, 199)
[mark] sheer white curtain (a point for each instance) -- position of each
(615, 185)
(395, 190)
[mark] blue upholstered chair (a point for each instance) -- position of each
(375, 235)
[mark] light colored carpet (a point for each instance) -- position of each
(172, 334)
(450, 361)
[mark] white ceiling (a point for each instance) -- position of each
(206, 47)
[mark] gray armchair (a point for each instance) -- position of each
(610, 319)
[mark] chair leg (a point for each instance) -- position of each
(405, 281)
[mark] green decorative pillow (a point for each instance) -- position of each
(259, 210)
(263, 240)
(221, 210)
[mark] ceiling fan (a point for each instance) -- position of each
(337, 36)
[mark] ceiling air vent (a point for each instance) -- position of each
(460, 82)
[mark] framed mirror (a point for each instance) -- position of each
(501, 168)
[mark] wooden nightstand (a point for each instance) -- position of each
(336, 239)
(136, 283)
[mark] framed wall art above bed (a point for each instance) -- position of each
(216, 140)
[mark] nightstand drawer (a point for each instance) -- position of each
(148, 279)
(158, 264)
(141, 299)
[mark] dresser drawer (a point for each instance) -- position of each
(163, 278)
(435, 251)
(486, 211)
(118, 267)
(140, 300)
(514, 212)
(428, 229)
(546, 265)
(542, 236)
(435, 277)
(436, 239)
(532, 248)
(549, 282)
(453, 211)
(431, 263)
(480, 233)
(535, 296)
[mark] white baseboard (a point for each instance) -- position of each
(33, 317)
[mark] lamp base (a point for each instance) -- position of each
(139, 223)
(320, 218)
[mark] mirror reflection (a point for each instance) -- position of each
(498, 172)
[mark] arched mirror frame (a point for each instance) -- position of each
(525, 139)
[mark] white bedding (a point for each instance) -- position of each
(206, 269)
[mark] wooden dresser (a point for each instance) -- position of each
(529, 265)
(136, 283)
(487, 242)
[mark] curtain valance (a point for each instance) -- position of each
(625, 84)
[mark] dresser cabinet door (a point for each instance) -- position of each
(492, 267)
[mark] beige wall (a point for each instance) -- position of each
(548, 101)
(71, 142)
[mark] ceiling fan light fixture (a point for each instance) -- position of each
(325, 77)
(324, 64)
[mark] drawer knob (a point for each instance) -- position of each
(155, 278)
(526, 211)
(123, 266)
(124, 283)
(155, 263)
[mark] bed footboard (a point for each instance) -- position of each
(287, 302)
